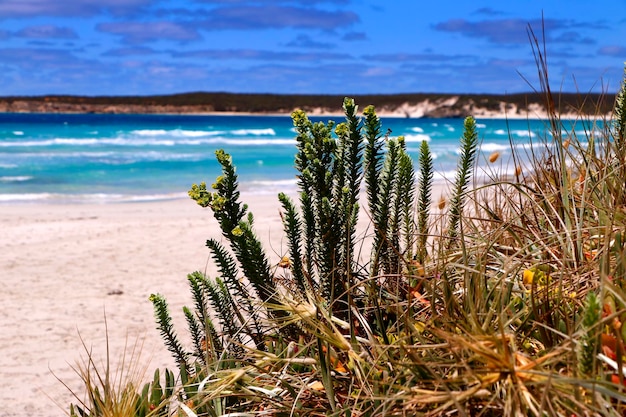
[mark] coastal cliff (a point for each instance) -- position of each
(529, 105)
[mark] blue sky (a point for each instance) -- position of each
(141, 47)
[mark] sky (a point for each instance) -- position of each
(345, 47)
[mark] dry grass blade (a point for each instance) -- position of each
(111, 386)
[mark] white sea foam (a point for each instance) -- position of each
(196, 133)
(146, 142)
(9, 198)
(417, 129)
(255, 132)
(247, 142)
(220, 141)
(26, 143)
(269, 186)
(481, 125)
(492, 147)
(525, 146)
(50, 142)
(580, 133)
(81, 142)
(148, 156)
(117, 158)
(16, 178)
(18, 133)
(149, 132)
(177, 133)
(524, 133)
(416, 138)
(52, 155)
(519, 133)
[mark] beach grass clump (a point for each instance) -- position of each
(120, 390)
(507, 300)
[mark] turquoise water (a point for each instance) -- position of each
(114, 158)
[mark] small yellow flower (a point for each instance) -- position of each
(342, 130)
(538, 275)
(217, 202)
(218, 181)
(237, 231)
(528, 276)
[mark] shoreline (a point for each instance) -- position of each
(99, 199)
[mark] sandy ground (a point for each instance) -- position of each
(64, 267)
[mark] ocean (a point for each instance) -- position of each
(104, 158)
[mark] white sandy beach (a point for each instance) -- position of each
(63, 266)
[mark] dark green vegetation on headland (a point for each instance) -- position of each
(439, 105)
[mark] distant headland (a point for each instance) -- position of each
(521, 105)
